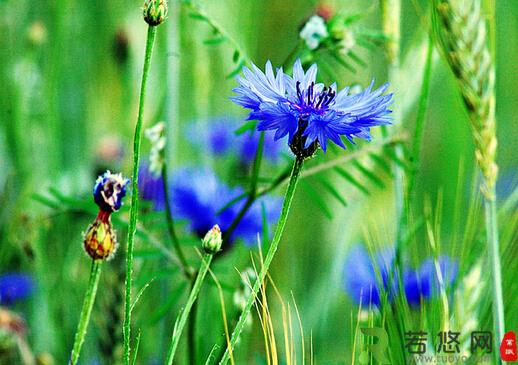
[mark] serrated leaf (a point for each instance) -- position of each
(350, 178)
(369, 174)
(317, 199)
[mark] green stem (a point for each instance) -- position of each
(494, 256)
(88, 303)
(182, 319)
(290, 192)
(151, 33)
(170, 225)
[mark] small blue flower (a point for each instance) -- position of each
(220, 138)
(309, 113)
(363, 277)
(14, 287)
(109, 189)
(198, 196)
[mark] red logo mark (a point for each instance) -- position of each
(508, 347)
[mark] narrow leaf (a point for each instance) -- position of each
(315, 196)
(369, 174)
(352, 180)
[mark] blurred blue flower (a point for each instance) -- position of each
(365, 278)
(220, 137)
(151, 187)
(308, 112)
(198, 196)
(362, 277)
(14, 287)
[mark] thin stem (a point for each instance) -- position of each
(170, 225)
(151, 33)
(182, 319)
(88, 303)
(494, 256)
(290, 192)
(191, 334)
(252, 195)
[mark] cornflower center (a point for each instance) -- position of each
(314, 102)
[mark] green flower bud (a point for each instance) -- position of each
(155, 12)
(212, 241)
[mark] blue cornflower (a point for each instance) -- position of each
(14, 287)
(308, 112)
(198, 196)
(220, 138)
(366, 278)
(108, 191)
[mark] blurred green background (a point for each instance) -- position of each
(70, 73)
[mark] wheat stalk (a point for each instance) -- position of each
(461, 31)
(462, 34)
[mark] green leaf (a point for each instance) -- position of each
(332, 190)
(198, 16)
(356, 58)
(235, 56)
(315, 196)
(369, 174)
(236, 70)
(215, 41)
(342, 62)
(350, 178)
(391, 152)
(381, 162)
(247, 126)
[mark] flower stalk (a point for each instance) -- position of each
(184, 315)
(290, 192)
(88, 303)
(151, 34)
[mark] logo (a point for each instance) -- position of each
(377, 348)
(508, 347)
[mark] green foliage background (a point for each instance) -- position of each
(64, 88)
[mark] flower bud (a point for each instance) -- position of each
(109, 190)
(155, 12)
(212, 241)
(100, 242)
